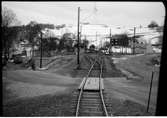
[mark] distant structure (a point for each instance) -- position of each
(120, 44)
(149, 48)
(97, 34)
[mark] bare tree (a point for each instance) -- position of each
(106, 44)
(33, 30)
(8, 19)
(85, 43)
(153, 24)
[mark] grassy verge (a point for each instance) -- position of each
(47, 105)
(141, 66)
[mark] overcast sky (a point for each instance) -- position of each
(110, 13)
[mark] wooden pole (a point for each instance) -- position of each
(85, 46)
(110, 42)
(152, 76)
(101, 43)
(134, 41)
(41, 52)
(78, 37)
(96, 39)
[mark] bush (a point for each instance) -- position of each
(152, 24)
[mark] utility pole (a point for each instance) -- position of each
(78, 38)
(80, 32)
(96, 38)
(41, 52)
(148, 104)
(85, 46)
(134, 41)
(110, 41)
(101, 43)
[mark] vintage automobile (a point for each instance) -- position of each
(19, 58)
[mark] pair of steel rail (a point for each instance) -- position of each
(100, 87)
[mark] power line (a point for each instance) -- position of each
(87, 17)
(92, 13)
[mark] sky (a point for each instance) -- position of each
(114, 14)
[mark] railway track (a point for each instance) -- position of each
(91, 102)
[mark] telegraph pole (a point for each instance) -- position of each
(101, 43)
(96, 38)
(41, 52)
(149, 97)
(78, 38)
(110, 41)
(80, 33)
(85, 46)
(134, 41)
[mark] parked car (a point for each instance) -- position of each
(4, 61)
(19, 58)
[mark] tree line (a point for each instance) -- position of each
(14, 33)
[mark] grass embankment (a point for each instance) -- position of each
(45, 61)
(141, 66)
(46, 105)
(135, 90)
(49, 60)
(34, 93)
(110, 69)
(38, 93)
